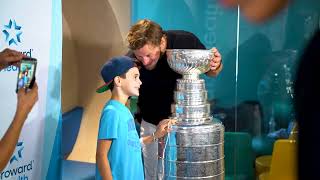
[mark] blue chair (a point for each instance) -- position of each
(78, 170)
(71, 121)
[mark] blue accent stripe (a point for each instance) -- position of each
(55, 167)
(51, 162)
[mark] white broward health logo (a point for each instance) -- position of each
(19, 171)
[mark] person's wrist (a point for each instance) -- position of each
(21, 114)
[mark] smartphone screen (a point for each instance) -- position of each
(26, 74)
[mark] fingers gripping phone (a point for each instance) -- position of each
(26, 74)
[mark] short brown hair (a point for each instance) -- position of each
(143, 32)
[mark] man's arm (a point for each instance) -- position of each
(26, 101)
(102, 161)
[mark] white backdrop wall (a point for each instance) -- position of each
(34, 28)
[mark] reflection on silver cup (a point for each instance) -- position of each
(190, 85)
(189, 62)
(190, 97)
(194, 149)
(190, 111)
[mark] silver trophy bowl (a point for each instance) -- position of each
(189, 62)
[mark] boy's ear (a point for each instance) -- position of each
(117, 81)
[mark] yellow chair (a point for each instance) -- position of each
(283, 162)
(263, 163)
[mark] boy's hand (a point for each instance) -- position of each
(164, 127)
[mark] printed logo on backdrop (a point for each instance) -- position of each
(19, 167)
(12, 32)
(18, 154)
(12, 35)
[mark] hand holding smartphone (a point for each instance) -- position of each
(26, 74)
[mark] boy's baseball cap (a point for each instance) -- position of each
(116, 66)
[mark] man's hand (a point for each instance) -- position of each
(27, 99)
(215, 63)
(10, 57)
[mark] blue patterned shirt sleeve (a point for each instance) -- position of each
(109, 123)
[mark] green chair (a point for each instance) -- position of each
(239, 157)
(133, 104)
(133, 109)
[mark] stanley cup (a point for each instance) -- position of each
(194, 149)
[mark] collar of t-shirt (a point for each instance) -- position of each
(118, 105)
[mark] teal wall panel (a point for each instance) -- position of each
(259, 59)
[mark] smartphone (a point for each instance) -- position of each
(26, 73)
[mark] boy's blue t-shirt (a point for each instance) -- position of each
(117, 124)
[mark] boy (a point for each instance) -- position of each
(118, 153)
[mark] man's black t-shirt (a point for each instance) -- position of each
(158, 85)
